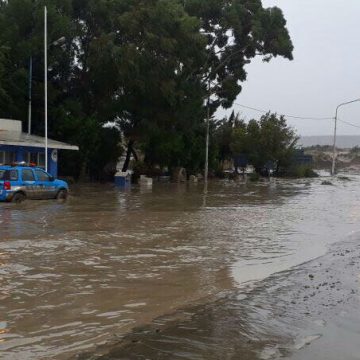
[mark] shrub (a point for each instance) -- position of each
(301, 171)
(253, 177)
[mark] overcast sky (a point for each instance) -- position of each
(325, 70)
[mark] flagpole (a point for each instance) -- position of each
(45, 87)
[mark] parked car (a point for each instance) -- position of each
(20, 182)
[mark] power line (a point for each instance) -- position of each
(288, 116)
(350, 124)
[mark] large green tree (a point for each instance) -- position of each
(3, 94)
(268, 140)
(158, 105)
(233, 32)
(236, 32)
(74, 111)
(146, 66)
(228, 137)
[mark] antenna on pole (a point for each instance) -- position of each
(30, 95)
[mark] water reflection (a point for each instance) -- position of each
(73, 275)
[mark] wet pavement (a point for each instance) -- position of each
(78, 275)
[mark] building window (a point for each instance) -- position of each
(31, 158)
(7, 157)
(36, 158)
(41, 160)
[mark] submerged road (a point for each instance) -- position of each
(77, 275)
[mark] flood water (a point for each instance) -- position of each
(74, 275)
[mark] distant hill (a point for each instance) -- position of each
(343, 141)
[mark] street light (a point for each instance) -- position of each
(206, 175)
(335, 130)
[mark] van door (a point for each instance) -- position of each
(47, 188)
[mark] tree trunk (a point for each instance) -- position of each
(134, 153)
(130, 150)
(83, 176)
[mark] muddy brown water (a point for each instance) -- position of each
(74, 275)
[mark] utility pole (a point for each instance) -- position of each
(207, 142)
(45, 88)
(335, 133)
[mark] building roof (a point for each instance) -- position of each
(11, 134)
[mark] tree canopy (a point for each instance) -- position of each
(263, 141)
(145, 66)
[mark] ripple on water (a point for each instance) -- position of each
(73, 275)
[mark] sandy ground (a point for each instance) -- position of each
(309, 312)
(346, 160)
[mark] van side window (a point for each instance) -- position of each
(28, 175)
(10, 175)
(13, 175)
(42, 175)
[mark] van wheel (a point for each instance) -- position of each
(18, 198)
(62, 195)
